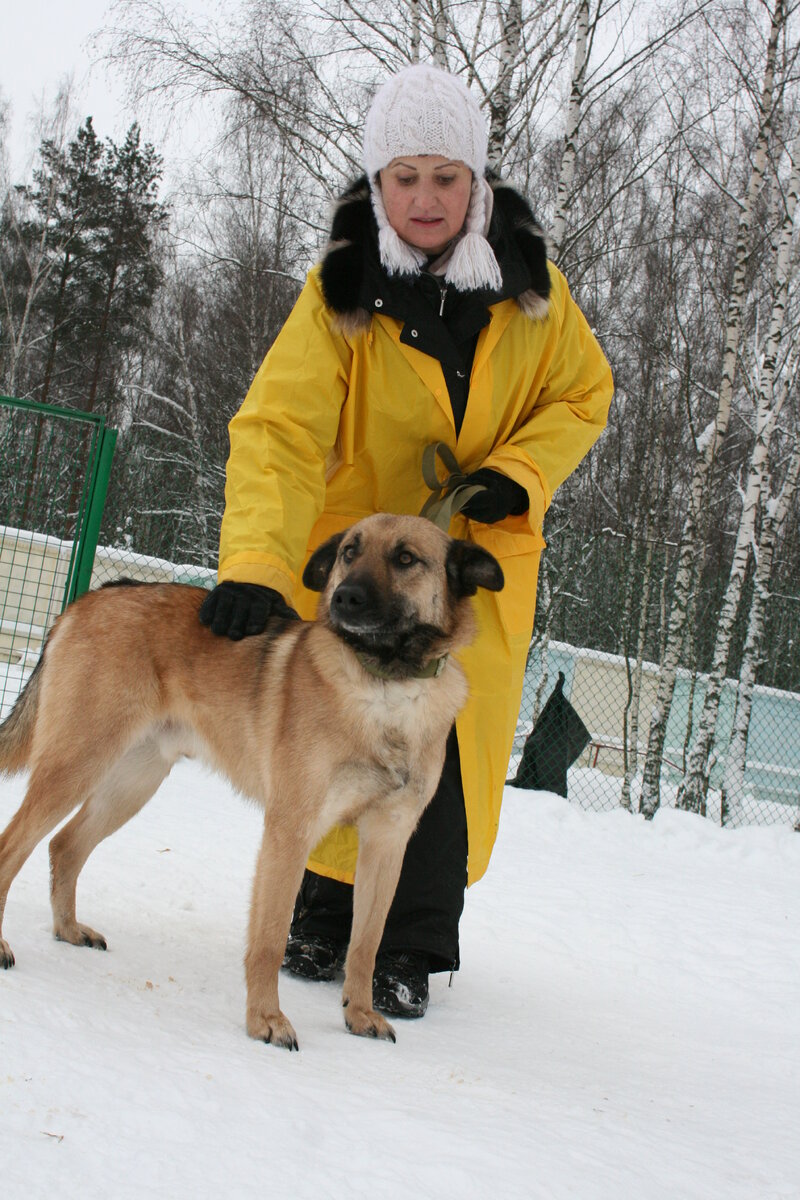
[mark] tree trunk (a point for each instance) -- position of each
(51, 350)
(500, 106)
(733, 786)
(682, 604)
(17, 330)
(199, 485)
(566, 175)
(414, 5)
(694, 786)
(711, 439)
(631, 735)
(102, 335)
(440, 33)
(542, 642)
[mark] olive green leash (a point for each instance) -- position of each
(450, 495)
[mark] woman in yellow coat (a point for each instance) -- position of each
(433, 317)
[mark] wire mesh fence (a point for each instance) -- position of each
(54, 468)
(592, 674)
(53, 463)
(609, 684)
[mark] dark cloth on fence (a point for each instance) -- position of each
(429, 899)
(552, 746)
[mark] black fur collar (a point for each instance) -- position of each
(351, 258)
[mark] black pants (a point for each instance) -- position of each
(430, 893)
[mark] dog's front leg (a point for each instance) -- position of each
(382, 839)
(279, 872)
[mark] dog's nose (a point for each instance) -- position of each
(350, 598)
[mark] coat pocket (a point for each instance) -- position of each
(518, 554)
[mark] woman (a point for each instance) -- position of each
(433, 317)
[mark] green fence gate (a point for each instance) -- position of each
(54, 471)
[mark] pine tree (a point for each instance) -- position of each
(101, 234)
(122, 273)
(74, 178)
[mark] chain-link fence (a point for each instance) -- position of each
(34, 570)
(592, 676)
(609, 686)
(54, 467)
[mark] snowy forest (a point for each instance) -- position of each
(659, 144)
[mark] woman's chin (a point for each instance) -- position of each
(431, 241)
(430, 247)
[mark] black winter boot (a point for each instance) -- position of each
(400, 983)
(314, 956)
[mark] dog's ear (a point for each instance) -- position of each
(320, 565)
(469, 567)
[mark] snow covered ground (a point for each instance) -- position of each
(625, 1024)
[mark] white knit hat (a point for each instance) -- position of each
(425, 110)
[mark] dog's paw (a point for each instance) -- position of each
(6, 957)
(79, 935)
(273, 1028)
(365, 1022)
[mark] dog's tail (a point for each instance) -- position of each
(16, 732)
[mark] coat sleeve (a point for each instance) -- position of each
(279, 442)
(566, 410)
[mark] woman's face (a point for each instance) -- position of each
(426, 198)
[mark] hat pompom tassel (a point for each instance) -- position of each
(474, 265)
(396, 255)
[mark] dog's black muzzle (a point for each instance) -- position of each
(379, 625)
(358, 605)
(352, 602)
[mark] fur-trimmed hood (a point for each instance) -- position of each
(351, 268)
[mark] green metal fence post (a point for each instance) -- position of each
(87, 536)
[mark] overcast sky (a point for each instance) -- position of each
(44, 41)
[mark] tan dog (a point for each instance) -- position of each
(343, 720)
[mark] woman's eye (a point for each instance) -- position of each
(446, 179)
(406, 180)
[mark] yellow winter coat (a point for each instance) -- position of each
(334, 428)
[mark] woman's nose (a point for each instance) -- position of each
(426, 197)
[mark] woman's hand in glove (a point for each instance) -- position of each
(238, 610)
(503, 497)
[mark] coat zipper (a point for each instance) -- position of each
(443, 290)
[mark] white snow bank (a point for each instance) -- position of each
(624, 1024)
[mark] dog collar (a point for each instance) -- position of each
(431, 670)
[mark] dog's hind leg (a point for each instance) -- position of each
(279, 873)
(122, 793)
(55, 787)
(382, 840)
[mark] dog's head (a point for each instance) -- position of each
(397, 588)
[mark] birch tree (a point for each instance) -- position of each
(693, 789)
(268, 57)
(27, 258)
(776, 510)
(635, 618)
(566, 175)
(230, 287)
(511, 22)
(624, 60)
(712, 437)
(182, 425)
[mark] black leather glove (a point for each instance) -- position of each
(238, 610)
(503, 497)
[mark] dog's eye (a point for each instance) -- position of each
(406, 559)
(348, 554)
